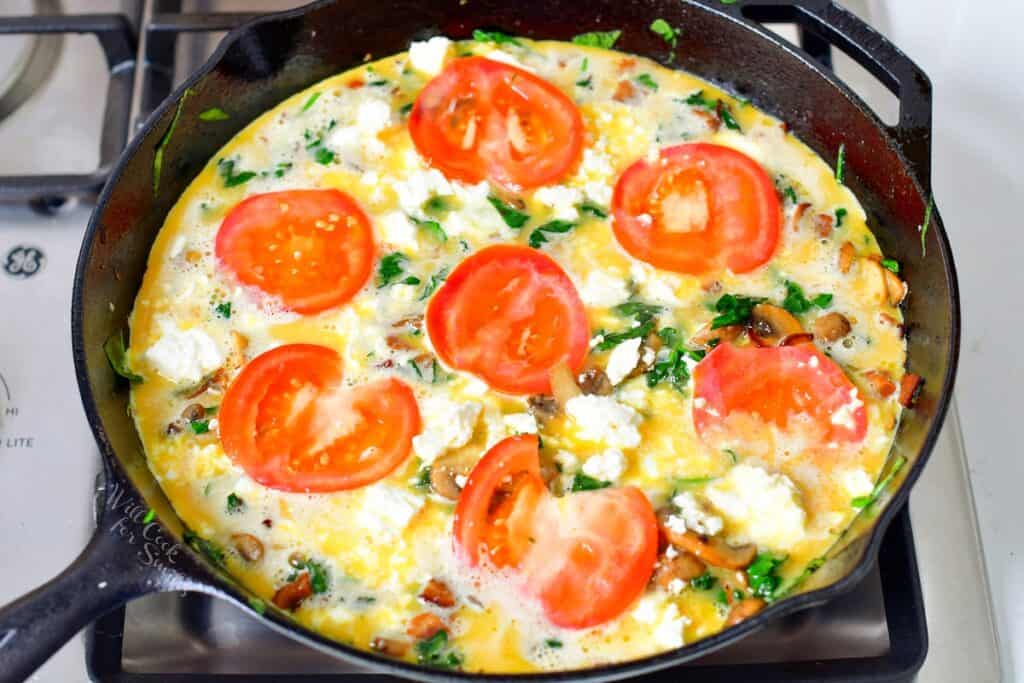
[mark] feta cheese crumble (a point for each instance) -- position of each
(447, 424)
(603, 290)
(390, 510)
(693, 516)
(602, 418)
(183, 356)
(561, 200)
(622, 360)
(520, 423)
(761, 507)
(607, 466)
(428, 56)
(399, 231)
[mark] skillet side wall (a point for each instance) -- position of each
(273, 59)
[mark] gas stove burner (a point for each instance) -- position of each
(53, 206)
(29, 60)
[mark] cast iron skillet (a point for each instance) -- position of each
(263, 62)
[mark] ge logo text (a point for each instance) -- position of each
(23, 261)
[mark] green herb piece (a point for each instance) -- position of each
(538, 236)
(734, 309)
(496, 37)
(231, 178)
(762, 576)
(728, 2)
(726, 115)
(674, 369)
(318, 576)
(367, 599)
(737, 595)
(433, 283)
(214, 114)
(235, 504)
(311, 101)
(223, 309)
(595, 210)
(722, 598)
(434, 652)
(378, 83)
(258, 606)
(324, 156)
(925, 224)
(411, 280)
(422, 480)
(208, 549)
(513, 218)
(891, 264)
(405, 109)
(609, 340)
(704, 582)
(582, 482)
(150, 516)
(796, 303)
(415, 367)
(433, 228)
(602, 39)
(638, 309)
(670, 336)
(436, 205)
(585, 64)
(117, 356)
(391, 267)
(199, 426)
(840, 215)
(647, 81)
(861, 502)
(584, 82)
(165, 139)
(790, 194)
(553, 644)
(697, 99)
(663, 29)
(841, 163)
(693, 481)
(281, 168)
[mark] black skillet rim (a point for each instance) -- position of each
(220, 587)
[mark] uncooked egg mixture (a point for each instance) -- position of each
(509, 356)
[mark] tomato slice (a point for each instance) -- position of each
(312, 249)
(796, 388)
(485, 120)
(292, 425)
(585, 557)
(508, 314)
(698, 208)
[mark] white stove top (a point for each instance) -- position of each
(49, 461)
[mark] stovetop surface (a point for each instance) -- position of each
(49, 461)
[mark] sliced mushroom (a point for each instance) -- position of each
(193, 412)
(594, 381)
(391, 647)
(823, 224)
(798, 338)
(831, 327)
(705, 335)
(770, 325)
(744, 609)
(424, 626)
(443, 473)
(797, 215)
(291, 595)
(910, 388)
(683, 566)
(248, 546)
(563, 384)
(881, 382)
(846, 255)
(542, 407)
(895, 287)
(438, 593)
(890, 320)
(624, 91)
(712, 550)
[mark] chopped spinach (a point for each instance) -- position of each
(595, 210)
(840, 215)
(436, 205)
(663, 29)
(324, 156)
(150, 516)
(647, 81)
(762, 575)
(674, 369)
(422, 479)
(214, 114)
(552, 643)
(790, 194)
(117, 356)
(861, 502)
(223, 309)
(697, 99)
(609, 340)
(727, 118)
(841, 163)
(704, 582)
(925, 224)
(199, 426)
(235, 503)
(433, 283)
(435, 652)
(638, 309)
(603, 39)
(513, 218)
(405, 109)
(318, 576)
(891, 264)
(734, 309)
(582, 482)
(796, 303)
(496, 37)
(391, 266)
(538, 236)
(258, 606)
(311, 101)
(208, 549)
(231, 178)
(280, 168)
(165, 139)
(433, 228)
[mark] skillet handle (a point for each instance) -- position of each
(826, 20)
(127, 557)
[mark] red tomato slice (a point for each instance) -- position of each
(485, 120)
(312, 249)
(289, 422)
(586, 557)
(508, 314)
(698, 208)
(778, 384)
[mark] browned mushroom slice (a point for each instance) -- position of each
(910, 387)
(798, 338)
(823, 224)
(392, 647)
(291, 595)
(438, 593)
(744, 609)
(248, 546)
(712, 550)
(542, 407)
(425, 626)
(705, 335)
(683, 566)
(624, 91)
(831, 327)
(881, 382)
(594, 381)
(846, 255)
(193, 412)
(770, 325)
(443, 474)
(895, 287)
(797, 215)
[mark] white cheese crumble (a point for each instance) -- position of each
(359, 143)
(658, 288)
(676, 586)
(418, 187)
(520, 423)
(667, 622)
(693, 516)
(506, 58)
(390, 508)
(428, 56)
(183, 356)
(607, 466)
(399, 231)
(561, 200)
(603, 290)
(856, 482)
(566, 460)
(602, 418)
(446, 424)
(759, 506)
(623, 360)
